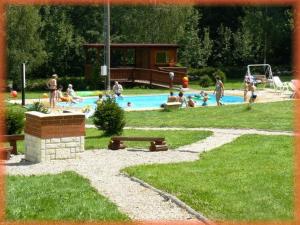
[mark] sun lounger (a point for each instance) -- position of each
(279, 85)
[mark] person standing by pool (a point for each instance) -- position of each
(117, 89)
(219, 90)
(253, 97)
(248, 81)
(52, 86)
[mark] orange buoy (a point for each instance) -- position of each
(185, 79)
(14, 94)
(185, 82)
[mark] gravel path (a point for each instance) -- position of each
(103, 167)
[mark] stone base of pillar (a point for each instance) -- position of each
(39, 149)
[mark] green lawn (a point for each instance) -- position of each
(229, 84)
(66, 196)
(271, 116)
(233, 84)
(28, 95)
(248, 179)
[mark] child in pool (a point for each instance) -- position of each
(190, 102)
(205, 99)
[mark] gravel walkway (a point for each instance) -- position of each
(103, 167)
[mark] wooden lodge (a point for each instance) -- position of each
(139, 63)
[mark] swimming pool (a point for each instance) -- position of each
(140, 102)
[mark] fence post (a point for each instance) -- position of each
(150, 78)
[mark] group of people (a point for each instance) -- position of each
(189, 102)
(218, 92)
(56, 94)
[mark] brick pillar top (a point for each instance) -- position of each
(54, 125)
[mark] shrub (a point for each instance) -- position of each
(205, 81)
(14, 119)
(39, 107)
(109, 117)
(234, 71)
(197, 74)
(220, 74)
(193, 74)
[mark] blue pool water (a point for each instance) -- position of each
(151, 101)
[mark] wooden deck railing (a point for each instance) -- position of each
(150, 75)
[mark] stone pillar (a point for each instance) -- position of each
(53, 136)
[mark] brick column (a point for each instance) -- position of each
(53, 136)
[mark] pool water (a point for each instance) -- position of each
(151, 101)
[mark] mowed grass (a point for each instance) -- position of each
(229, 84)
(270, 116)
(95, 139)
(234, 83)
(175, 139)
(66, 196)
(249, 179)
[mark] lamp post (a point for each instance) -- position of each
(107, 45)
(171, 75)
(23, 84)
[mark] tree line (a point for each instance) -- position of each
(50, 38)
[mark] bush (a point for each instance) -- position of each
(211, 72)
(234, 71)
(193, 74)
(221, 74)
(109, 117)
(14, 119)
(205, 81)
(39, 107)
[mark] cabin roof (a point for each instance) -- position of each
(131, 45)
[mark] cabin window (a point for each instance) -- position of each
(162, 58)
(122, 57)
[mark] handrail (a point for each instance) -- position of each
(151, 75)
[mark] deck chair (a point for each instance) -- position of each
(279, 85)
(293, 88)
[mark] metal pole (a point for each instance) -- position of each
(265, 33)
(23, 83)
(107, 44)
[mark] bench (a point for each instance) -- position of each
(12, 139)
(156, 143)
(260, 79)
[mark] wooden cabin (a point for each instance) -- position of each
(139, 63)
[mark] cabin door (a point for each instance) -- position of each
(142, 58)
